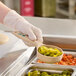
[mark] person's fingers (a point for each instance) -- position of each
(31, 35)
(28, 44)
(38, 33)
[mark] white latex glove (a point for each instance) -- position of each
(17, 22)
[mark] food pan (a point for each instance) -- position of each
(65, 52)
(39, 67)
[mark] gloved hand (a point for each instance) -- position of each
(17, 22)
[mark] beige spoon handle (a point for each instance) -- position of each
(26, 39)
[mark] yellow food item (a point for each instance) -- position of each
(3, 39)
(52, 52)
(43, 73)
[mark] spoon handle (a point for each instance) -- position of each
(26, 39)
